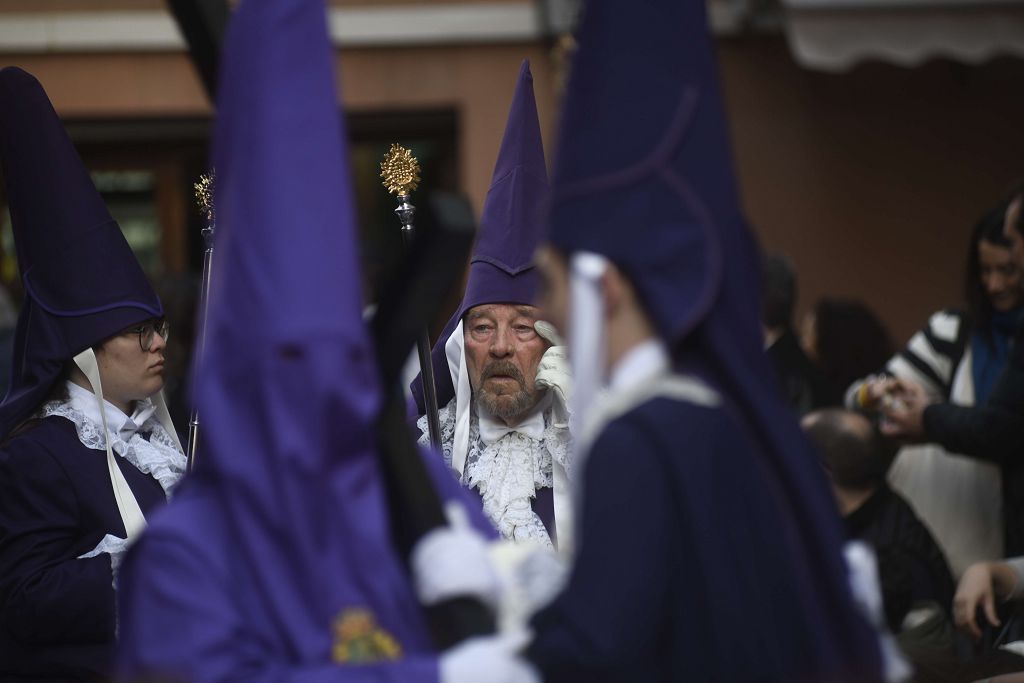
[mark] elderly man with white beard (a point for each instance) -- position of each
(502, 377)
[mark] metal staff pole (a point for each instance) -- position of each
(401, 174)
(429, 271)
(204, 197)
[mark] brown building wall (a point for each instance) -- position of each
(870, 181)
(476, 81)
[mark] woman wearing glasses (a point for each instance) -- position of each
(87, 449)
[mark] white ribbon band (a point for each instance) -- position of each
(131, 514)
(586, 333)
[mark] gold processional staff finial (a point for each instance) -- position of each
(400, 171)
(204, 194)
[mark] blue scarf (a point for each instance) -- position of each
(990, 351)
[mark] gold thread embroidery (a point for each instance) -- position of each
(359, 640)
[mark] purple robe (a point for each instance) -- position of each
(705, 580)
(192, 609)
(56, 503)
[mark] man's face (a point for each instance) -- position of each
(503, 351)
(1012, 233)
(554, 289)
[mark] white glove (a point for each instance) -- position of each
(531, 576)
(554, 371)
(454, 562)
(489, 658)
(548, 331)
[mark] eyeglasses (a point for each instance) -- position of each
(147, 331)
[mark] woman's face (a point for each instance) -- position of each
(128, 373)
(1000, 277)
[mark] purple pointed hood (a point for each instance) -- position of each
(643, 176)
(82, 282)
(511, 226)
(288, 388)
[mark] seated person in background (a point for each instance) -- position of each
(911, 567)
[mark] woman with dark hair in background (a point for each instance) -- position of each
(957, 358)
(846, 341)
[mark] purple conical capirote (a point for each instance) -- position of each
(643, 176)
(501, 269)
(82, 282)
(288, 387)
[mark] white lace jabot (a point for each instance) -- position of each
(124, 426)
(492, 430)
(140, 438)
(509, 466)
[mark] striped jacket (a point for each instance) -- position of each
(958, 498)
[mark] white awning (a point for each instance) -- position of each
(834, 35)
(154, 30)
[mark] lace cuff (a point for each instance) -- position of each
(113, 546)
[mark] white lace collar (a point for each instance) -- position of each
(509, 472)
(139, 439)
(84, 401)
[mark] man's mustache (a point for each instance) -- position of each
(504, 368)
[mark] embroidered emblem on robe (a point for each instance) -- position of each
(359, 640)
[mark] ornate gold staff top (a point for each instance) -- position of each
(204, 195)
(400, 171)
(401, 174)
(204, 198)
